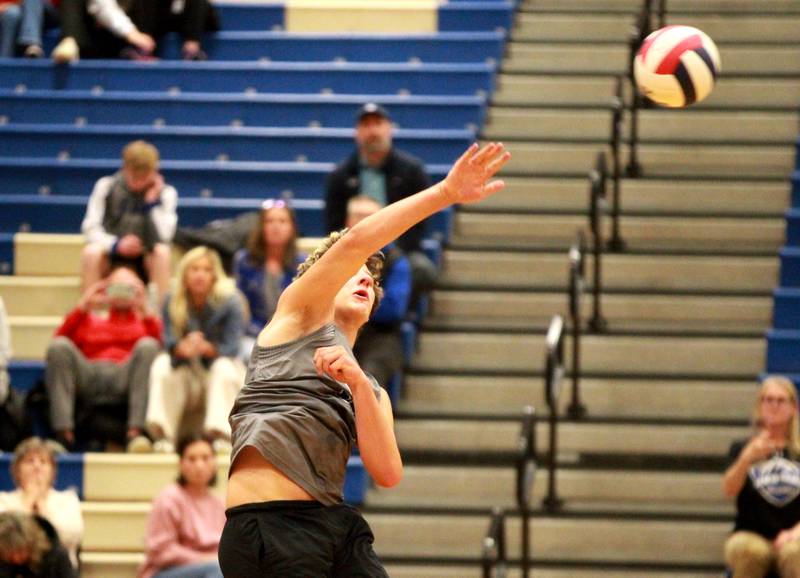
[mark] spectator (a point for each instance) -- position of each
(15, 424)
(186, 520)
(29, 546)
(99, 29)
(764, 477)
(36, 16)
(199, 377)
(34, 471)
(266, 266)
(103, 360)
(379, 349)
(379, 170)
(189, 18)
(131, 220)
(10, 18)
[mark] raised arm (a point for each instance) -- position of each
(309, 300)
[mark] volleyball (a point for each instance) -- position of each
(676, 66)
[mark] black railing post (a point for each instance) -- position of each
(662, 13)
(526, 471)
(554, 373)
(493, 554)
(638, 34)
(615, 243)
(597, 201)
(576, 409)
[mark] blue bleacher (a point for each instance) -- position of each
(293, 47)
(212, 143)
(269, 114)
(223, 109)
(310, 77)
(254, 180)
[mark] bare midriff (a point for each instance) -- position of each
(253, 479)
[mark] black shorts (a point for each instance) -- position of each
(297, 539)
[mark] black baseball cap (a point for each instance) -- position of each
(372, 108)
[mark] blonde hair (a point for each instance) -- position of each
(30, 446)
(140, 156)
(221, 290)
(374, 264)
(793, 428)
(19, 531)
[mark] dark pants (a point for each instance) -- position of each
(93, 40)
(297, 539)
(70, 377)
(379, 353)
(155, 17)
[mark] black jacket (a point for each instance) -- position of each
(405, 175)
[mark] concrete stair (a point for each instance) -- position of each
(620, 272)
(643, 197)
(525, 310)
(671, 382)
(617, 396)
(661, 234)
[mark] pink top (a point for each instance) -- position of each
(181, 529)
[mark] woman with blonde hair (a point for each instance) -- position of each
(193, 384)
(764, 477)
(34, 471)
(29, 546)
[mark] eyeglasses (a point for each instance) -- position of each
(274, 204)
(775, 400)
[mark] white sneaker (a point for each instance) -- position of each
(139, 445)
(164, 446)
(66, 51)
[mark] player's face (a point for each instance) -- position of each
(278, 227)
(198, 464)
(199, 277)
(776, 407)
(374, 134)
(354, 301)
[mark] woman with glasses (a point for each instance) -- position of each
(764, 477)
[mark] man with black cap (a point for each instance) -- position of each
(379, 170)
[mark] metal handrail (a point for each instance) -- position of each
(554, 374)
(493, 552)
(615, 243)
(577, 283)
(526, 473)
(640, 31)
(598, 177)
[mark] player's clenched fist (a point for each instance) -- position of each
(336, 362)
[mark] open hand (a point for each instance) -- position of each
(469, 179)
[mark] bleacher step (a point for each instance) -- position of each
(600, 354)
(516, 310)
(597, 90)
(48, 296)
(583, 57)
(457, 436)
(643, 196)
(663, 234)
(615, 397)
(675, 6)
(657, 160)
(627, 272)
(613, 490)
(654, 125)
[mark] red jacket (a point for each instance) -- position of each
(112, 338)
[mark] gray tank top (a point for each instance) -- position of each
(301, 423)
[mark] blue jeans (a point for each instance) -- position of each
(199, 570)
(9, 24)
(36, 15)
